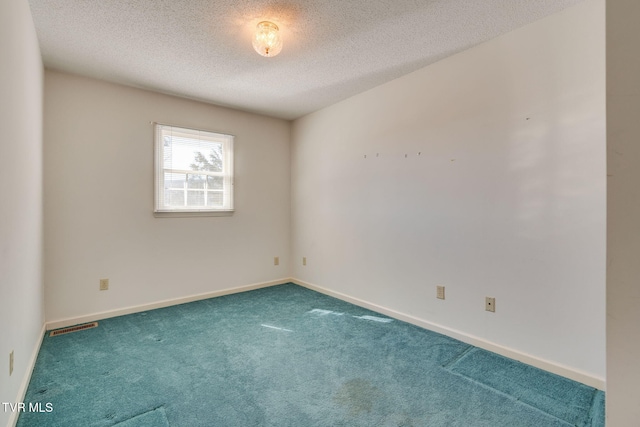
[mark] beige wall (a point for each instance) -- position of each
(485, 173)
(21, 291)
(623, 213)
(98, 187)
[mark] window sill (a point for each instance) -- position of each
(191, 214)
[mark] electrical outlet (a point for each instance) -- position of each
(490, 304)
(104, 284)
(11, 363)
(304, 260)
(276, 260)
(440, 292)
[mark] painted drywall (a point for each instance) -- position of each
(623, 211)
(484, 173)
(21, 289)
(98, 204)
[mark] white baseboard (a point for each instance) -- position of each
(546, 365)
(22, 391)
(63, 323)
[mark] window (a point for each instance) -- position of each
(194, 171)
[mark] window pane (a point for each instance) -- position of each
(215, 182)
(174, 197)
(208, 159)
(192, 154)
(214, 198)
(196, 181)
(195, 198)
(174, 180)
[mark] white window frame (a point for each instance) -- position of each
(226, 140)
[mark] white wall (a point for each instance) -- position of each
(623, 213)
(21, 290)
(98, 170)
(506, 199)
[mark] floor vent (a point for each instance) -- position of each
(73, 329)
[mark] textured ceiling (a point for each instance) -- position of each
(333, 49)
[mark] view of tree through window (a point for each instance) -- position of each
(213, 163)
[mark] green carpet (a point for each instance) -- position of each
(288, 356)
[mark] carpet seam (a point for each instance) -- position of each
(457, 358)
(589, 420)
(583, 422)
(139, 415)
(509, 396)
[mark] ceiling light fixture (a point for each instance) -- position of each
(267, 41)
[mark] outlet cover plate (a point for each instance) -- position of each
(11, 363)
(440, 292)
(276, 260)
(104, 284)
(490, 304)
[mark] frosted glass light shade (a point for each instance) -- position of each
(267, 41)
